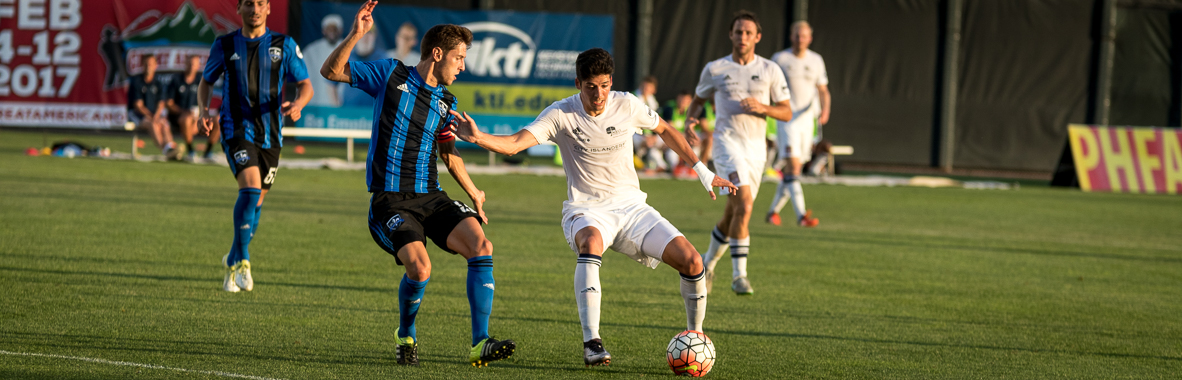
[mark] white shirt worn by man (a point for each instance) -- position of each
(602, 187)
(739, 146)
(795, 138)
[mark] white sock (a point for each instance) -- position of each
(717, 249)
(588, 294)
(781, 198)
(672, 158)
(797, 194)
(693, 290)
(739, 248)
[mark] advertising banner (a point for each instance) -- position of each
(519, 62)
(1127, 160)
(65, 63)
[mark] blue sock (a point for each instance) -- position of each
(244, 215)
(480, 295)
(410, 295)
(255, 226)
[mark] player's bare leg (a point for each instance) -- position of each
(681, 255)
(410, 294)
(740, 205)
(588, 294)
(188, 125)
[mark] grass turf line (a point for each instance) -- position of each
(119, 260)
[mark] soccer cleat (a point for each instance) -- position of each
(242, 275)
(490, 350)
(406, 351)
(807, 220)
(595, 354)
(741, 286)
(229, 285)
(773, 218)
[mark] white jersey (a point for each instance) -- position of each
(596, 150)
(804, 75)
(729, 83)
(315, 54)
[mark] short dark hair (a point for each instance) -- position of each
(446, 37)
(144, 57)
(744, 14)
(649, 79)
(594, 62)
(240, 1)
(685, 92)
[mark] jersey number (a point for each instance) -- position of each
(270, 176)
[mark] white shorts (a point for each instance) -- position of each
(795, 138)
(637, 230)
(742, 165)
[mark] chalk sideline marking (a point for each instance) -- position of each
(130, 364)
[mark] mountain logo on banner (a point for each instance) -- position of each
(171, 37)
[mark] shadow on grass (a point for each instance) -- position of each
(108, 274)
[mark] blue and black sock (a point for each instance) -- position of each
(254, 227)
(480, 295)
(244, 218)
(410, 296)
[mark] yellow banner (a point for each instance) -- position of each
(1127, 160)
(501, 99)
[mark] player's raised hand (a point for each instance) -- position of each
(363, 22)
(478, 201)
(291, 110)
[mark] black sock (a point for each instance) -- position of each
(189, 147)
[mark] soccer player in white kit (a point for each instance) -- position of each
(746, 88)
(605, 206)
(809, 84)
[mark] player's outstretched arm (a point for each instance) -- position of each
(336, 67)
(455, 166)
(466, 130)
(293, 109)
(674, 141)
(781, 111)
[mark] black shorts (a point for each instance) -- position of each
(242, 154)
(398, 218)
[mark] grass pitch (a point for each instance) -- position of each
(119, 260)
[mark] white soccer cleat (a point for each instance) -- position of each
(242, 275)
(741, 286)
(228, 284)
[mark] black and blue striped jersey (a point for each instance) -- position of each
(410, 119)
(256, 70)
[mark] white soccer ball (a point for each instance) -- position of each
(691, 353)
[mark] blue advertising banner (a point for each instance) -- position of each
(518, 64)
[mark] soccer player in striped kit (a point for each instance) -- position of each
(411, 124)
(257, 62)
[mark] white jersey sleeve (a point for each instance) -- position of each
(705, 89)
(545, 127)
(823, 79)
(645, 117)
(779, 86)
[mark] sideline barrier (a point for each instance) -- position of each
(1127, 159)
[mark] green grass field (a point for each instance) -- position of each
(119, 261)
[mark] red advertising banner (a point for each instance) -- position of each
(65, 63)
(1127, 160)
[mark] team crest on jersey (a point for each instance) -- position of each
(442, 107)
(276, 54)
(394, 222)
(611, 131)
(754, 77)
(241, 157)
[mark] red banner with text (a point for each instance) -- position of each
(1127, 160)
(65, 63)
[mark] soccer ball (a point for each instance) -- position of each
(690, 353)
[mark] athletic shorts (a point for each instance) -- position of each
(795, 138)
(742, 164)
(242, 154)
(637, 230)
(400, 218)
